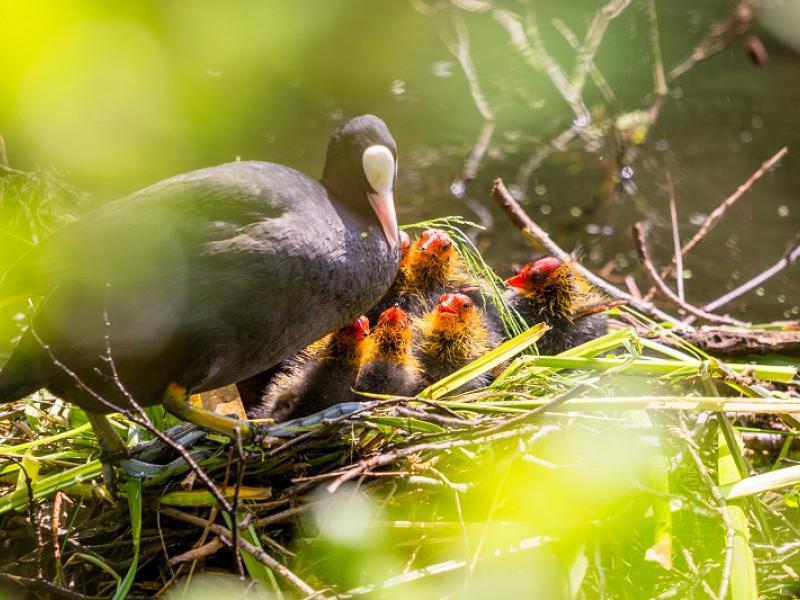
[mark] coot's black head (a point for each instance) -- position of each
(361, 170)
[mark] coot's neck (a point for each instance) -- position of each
(551, 304)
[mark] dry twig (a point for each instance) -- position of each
(644, 257)
(718, 213)
(788, 258)
(255, 551)
(720, 34)
(459, 48)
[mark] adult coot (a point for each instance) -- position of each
(206, 278)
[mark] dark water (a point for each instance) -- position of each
(121, 96)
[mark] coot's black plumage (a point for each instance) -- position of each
(209, 277)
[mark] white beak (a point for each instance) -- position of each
(383, 205)
(379, 168)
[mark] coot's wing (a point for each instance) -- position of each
(150, 235)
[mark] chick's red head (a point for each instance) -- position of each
(358, 329)
(394, 318)
(534, 274)
(454, 306)
(435, 242)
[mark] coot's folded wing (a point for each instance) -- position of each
(147, 236)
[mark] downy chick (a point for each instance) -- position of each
(322, 376)
(554, 292)
(452, 335)
(434, 267)
(389, 365)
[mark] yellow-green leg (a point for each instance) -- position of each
(176, 402)
(112, 448)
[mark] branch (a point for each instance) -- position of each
(459, 48)
(647, 263)
(789, 257)
(387, 458)
(720, 34)
(255, 551)
(594, 36)
(533, 52)
(539, 237)
(719, 212)
(676, 238)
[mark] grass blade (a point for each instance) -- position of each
(489, 361)
(133, 488)
(744, 585)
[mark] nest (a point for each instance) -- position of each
(601, 459)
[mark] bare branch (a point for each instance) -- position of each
(594, 36)
(644, 256)
(788, 258)
(719, 212)
(658, 63)
(676, 238)
(528, 42)
(720, 34)
(459, 48)
(255, 551)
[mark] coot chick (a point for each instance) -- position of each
(320, 377)
(198, 276)
(554, 292)
(389, 365)
(433, 267)
(451, 336)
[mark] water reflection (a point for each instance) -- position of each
(126, 95)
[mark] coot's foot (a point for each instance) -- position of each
(139, 469)
(157, 451)
(289, 429)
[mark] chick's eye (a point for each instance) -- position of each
(465, 306)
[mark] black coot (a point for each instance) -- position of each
(208, 278)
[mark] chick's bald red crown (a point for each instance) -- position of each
(454, 304)
(435, 241)
(394, 316)
(534, 273)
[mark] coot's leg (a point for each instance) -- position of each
(176, 402)
(112, 448)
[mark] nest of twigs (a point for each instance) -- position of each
(603, 460)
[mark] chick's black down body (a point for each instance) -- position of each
(305, 388)
(206, 278)
(565, 332)
(387, 377)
